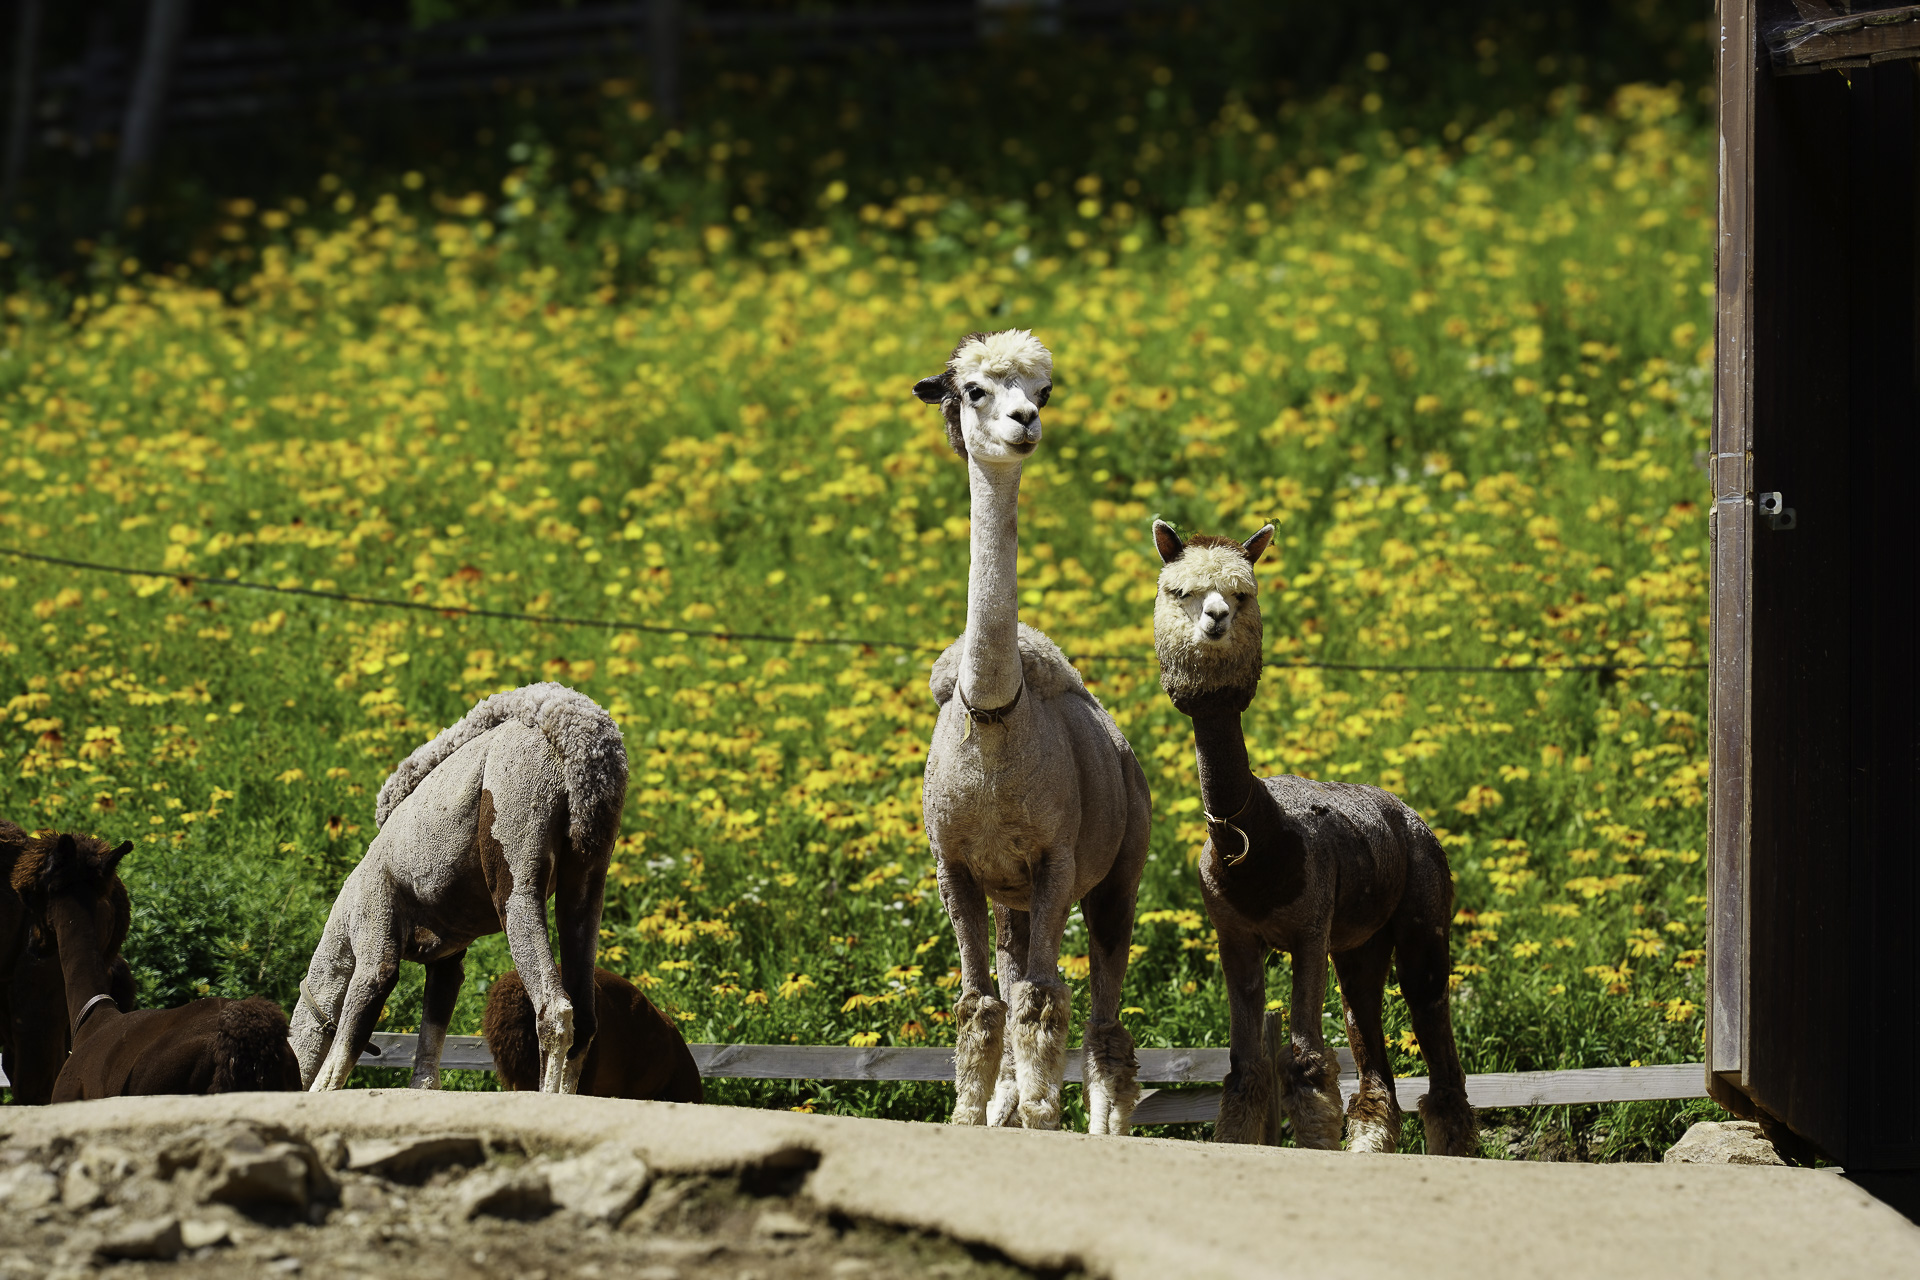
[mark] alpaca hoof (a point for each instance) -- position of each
(979, 1022)
(1312, 1098)
(1451, 1127)
(1110, 1071)
(1244, 1110)
(1039, 1033)
(1373, 1122)
(1004, 1111)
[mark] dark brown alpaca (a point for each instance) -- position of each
(637, 1051)
(33, 1010)
(209, 1046)
(1315, 869)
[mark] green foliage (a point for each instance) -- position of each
(1463, 372)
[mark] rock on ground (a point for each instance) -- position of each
(1727, 1142)
(244, 1199)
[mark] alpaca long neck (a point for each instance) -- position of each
(1220, 751)
(990, 666)
(82, 965)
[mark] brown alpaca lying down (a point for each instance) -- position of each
(209, 1046)
(636, 1053)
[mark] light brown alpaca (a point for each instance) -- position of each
(1310, 868)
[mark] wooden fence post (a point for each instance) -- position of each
(663, 51)
(140, 135)
(26, 53)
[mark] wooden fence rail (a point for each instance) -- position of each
(220, 79)
(1157, 1066)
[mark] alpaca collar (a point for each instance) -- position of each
(327, 1023)
(89, 1007)
(980, 715)
(1246, 843)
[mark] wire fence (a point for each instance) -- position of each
(771, 637)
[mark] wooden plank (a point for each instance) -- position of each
(1879, 35)
(1485, 1092)
(1730, 533)
(834, 1062)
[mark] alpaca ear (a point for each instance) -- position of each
(113, 858)
(1256, 546)
(1167, 541)
(931, 390)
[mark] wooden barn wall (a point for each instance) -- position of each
(1883, 911)
(1796, 868)
(1830, 1021)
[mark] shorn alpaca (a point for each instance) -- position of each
(33, 1009)
(212, 1045)
(1032, 796)
(638, 1053)
(1310, 868)
(517, 802)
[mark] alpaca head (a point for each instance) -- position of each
(82, 868)
(1206, 619)
(991, 394)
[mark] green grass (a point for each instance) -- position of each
(1465, 374)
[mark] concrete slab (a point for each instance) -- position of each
(1143, 1208)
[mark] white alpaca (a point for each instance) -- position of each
(1032, 796)
(518, 801)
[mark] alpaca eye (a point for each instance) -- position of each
(976, 395)
(1176, 593)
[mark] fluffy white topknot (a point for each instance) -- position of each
(998, 355)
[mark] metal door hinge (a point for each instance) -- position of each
(1780, 516)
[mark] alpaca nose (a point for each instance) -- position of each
(1217, 613)
(1026, 415)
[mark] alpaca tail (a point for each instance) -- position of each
(510, 1034)
(251, 1053)
(585, 736)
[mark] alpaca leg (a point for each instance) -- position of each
(1313, 1077)
(1249, 1093)
(1108, 1066)
(367, 994)
(1041, 1015)
(526, 921)
(443, 991)
(1010, 931)
(1373, 1117)
(979, 1019)
(1277, 1043)
(577, 906)
(1039, 1006)
(1444, 1112)
(980, 1023)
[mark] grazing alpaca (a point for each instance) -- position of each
(213, 1045)
(517, 802)
(33, 1010)
(638, 1052)
(1032, 796)
(1311, 868)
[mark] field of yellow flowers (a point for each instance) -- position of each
(1465, 374)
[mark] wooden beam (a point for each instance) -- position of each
(1854, 39)
(1486, 1093)
(1730, 523)
(1158, 1066)
(833, 1062)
